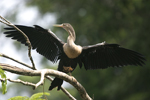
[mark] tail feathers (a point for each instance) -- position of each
(56, 82)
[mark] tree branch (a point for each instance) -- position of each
(43, 72)
(25, 36)
(48, 77)
(19, 81)
(63, 89)
(34, 85)
(5, 56)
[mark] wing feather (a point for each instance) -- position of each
(104, 55)
(45, 42)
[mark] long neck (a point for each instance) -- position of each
(72, 35)
(70, 40)
(71, 49)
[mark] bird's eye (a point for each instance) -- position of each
(65, 25)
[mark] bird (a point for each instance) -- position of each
(97, 56)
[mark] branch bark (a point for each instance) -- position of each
(5, 21)
(5, 56)
(19, 81)
(44, 72)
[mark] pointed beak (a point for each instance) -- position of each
(58, 25)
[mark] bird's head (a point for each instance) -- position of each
(68, 28)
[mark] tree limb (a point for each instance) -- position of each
(63, 89)
(43, 72)
(34, 85)
(25, 36)
(19, 81)
(5, 56)
(48, 77)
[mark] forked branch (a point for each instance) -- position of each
(44, 72)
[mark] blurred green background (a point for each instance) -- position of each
(125, 22)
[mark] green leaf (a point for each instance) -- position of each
(2, 73)
(38, 96)
(19, 98)
(0, 55)
(4, 83)
(4, 88)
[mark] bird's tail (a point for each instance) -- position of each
(56, 82)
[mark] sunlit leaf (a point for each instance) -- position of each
(19, 98)
(2, 73)
(38, 96)
(4, 83)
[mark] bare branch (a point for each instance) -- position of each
(51, 72)
(19, 81)
(63, 89)
(5, 21)
(25, 36)
(34, 85)
(43, 73)
(48, 77)
(5, 56)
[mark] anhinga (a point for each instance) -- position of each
(98, 56)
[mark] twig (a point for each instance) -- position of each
(51, 72)
(35, 85)
(63, 89)
(43, 73)
(25, 36)
(5, 56)
(48, 77)
(19, 81)
(30, 84)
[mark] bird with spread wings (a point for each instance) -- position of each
(98, 56)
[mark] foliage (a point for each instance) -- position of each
(37, 96)
(4, 83)
(19, 98)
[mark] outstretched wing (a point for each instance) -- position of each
(46, 43)
(104, 55)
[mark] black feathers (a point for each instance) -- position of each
(56, 82)
(109, 55)
(97, 56)
(44, 42)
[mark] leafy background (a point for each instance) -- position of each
(125, 22)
